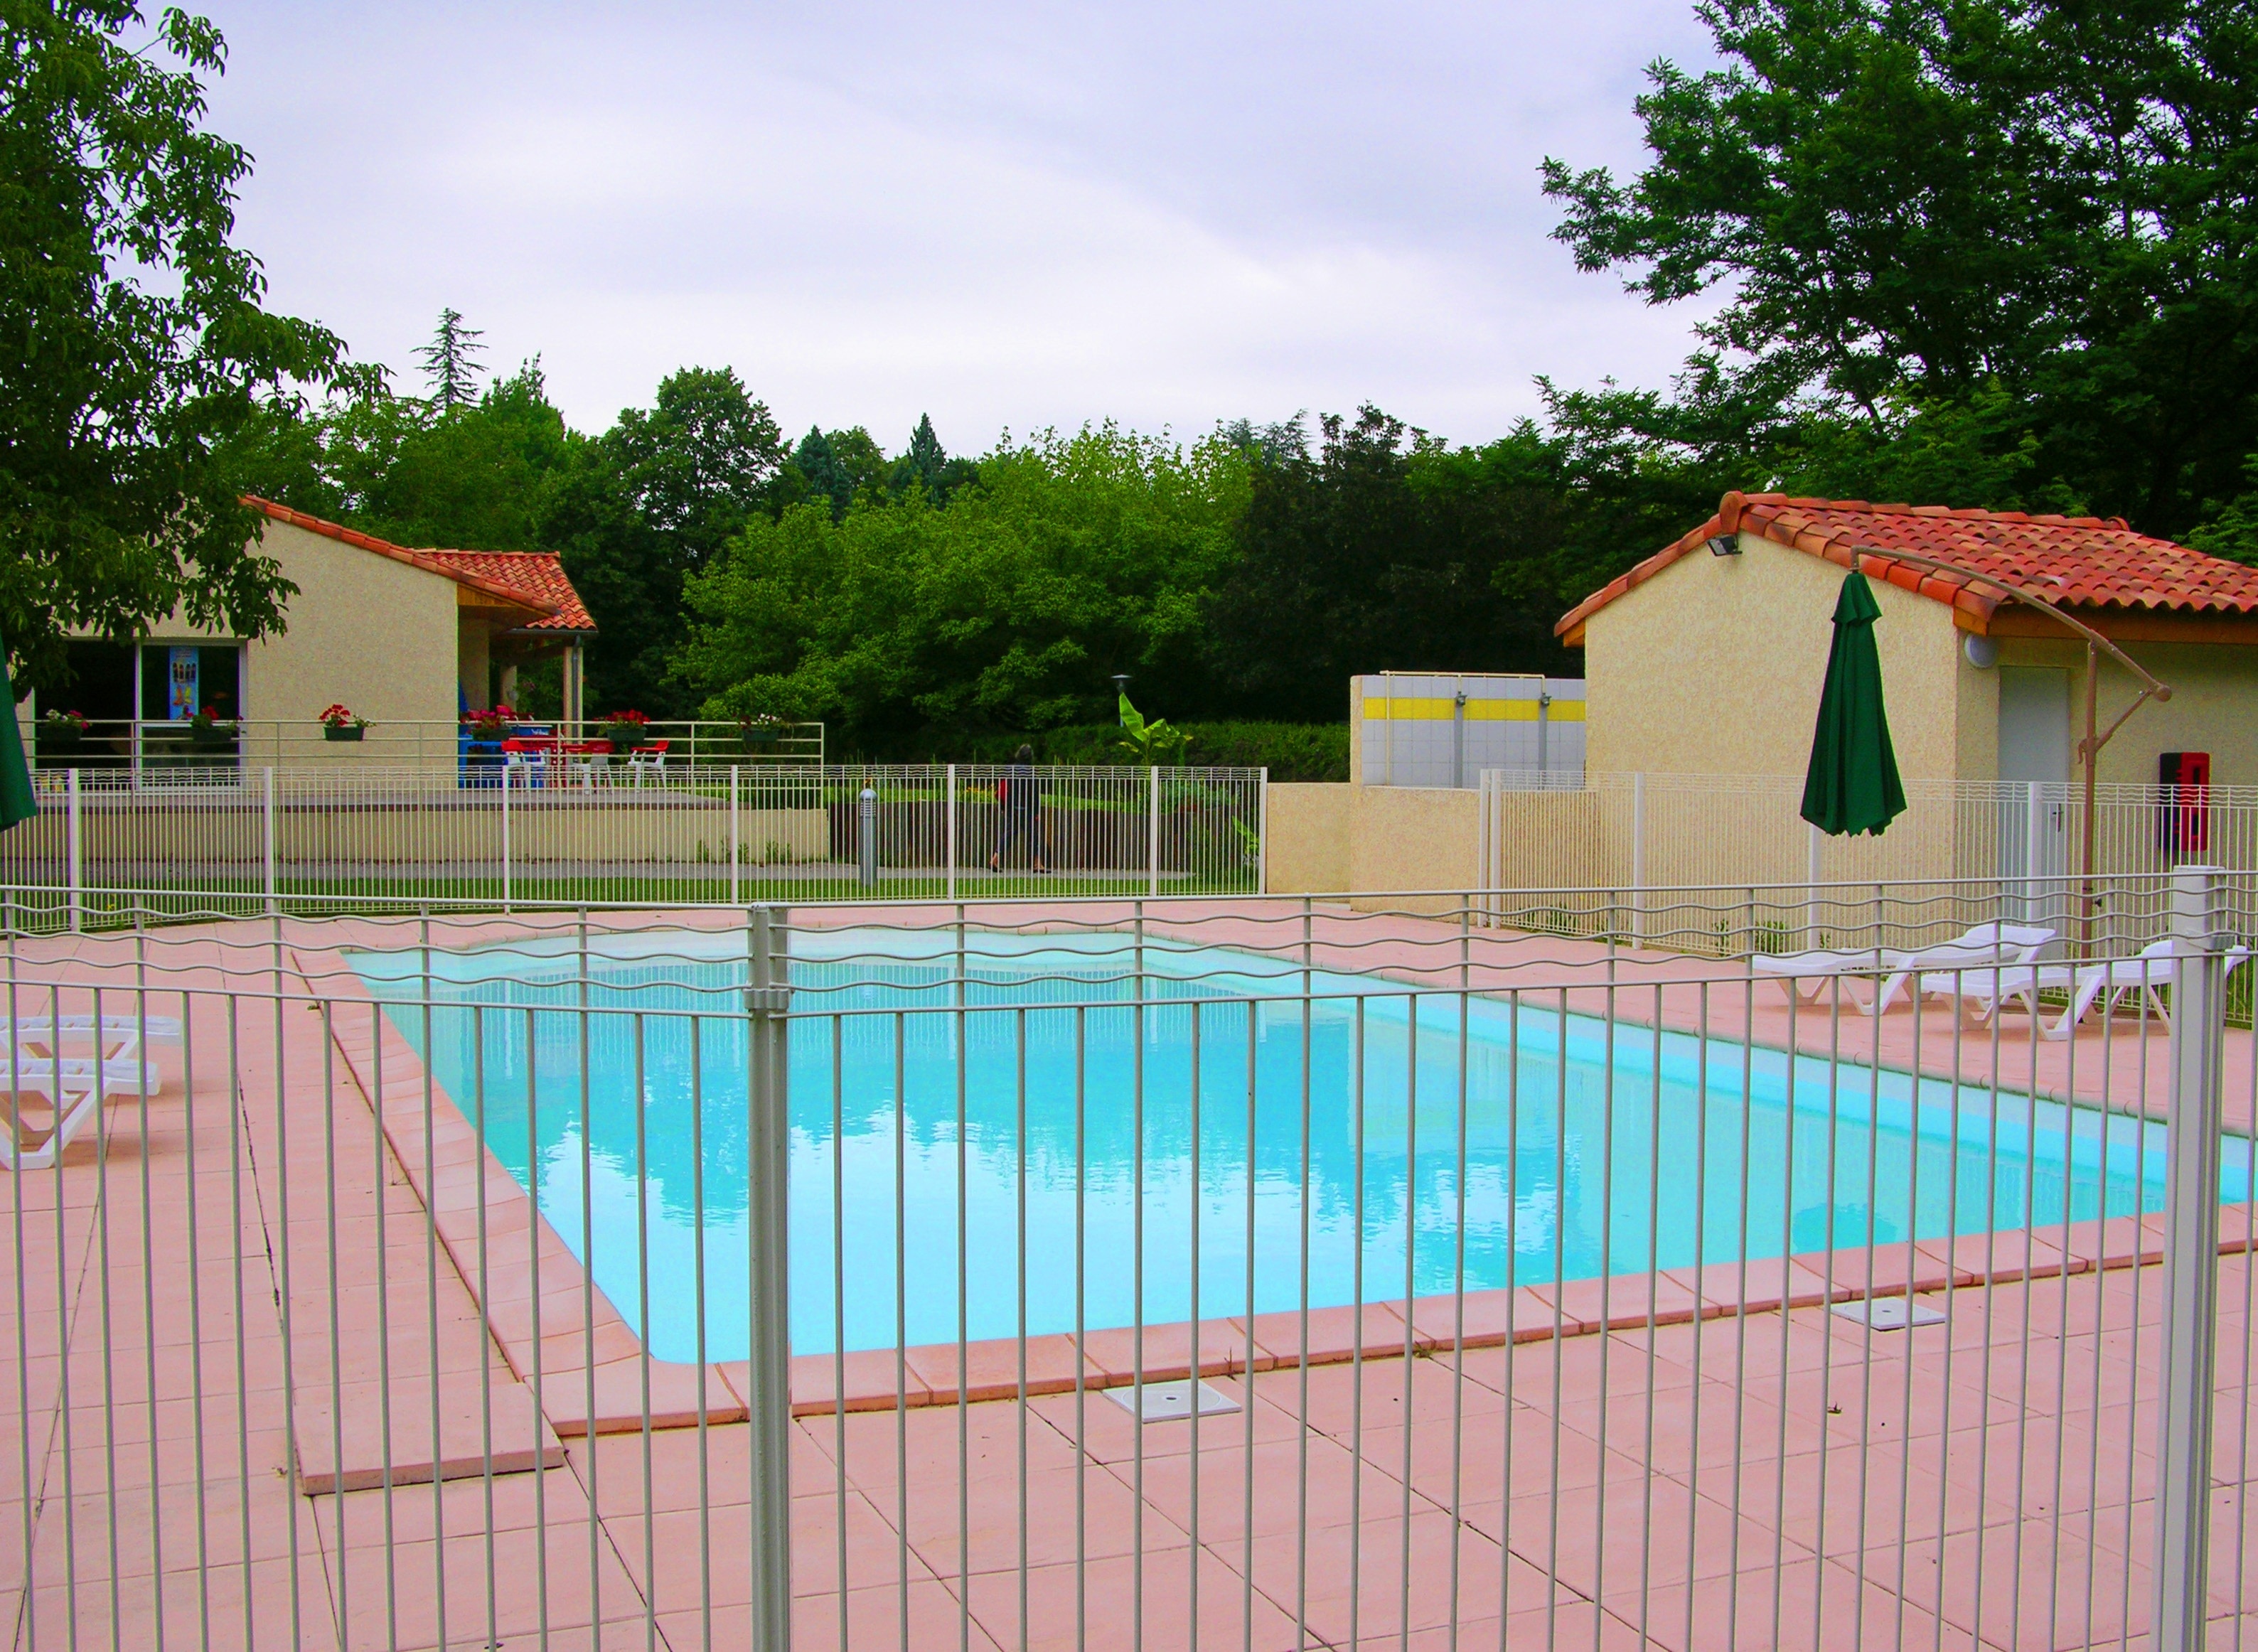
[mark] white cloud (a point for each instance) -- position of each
(1015, 216)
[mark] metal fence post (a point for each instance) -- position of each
(866, 838)
(75, 848)
(735, 853)
(2190, 1302)
(1262, 835)
(948, 829)
(1638, 857)
(1153, 836)
(266, 779)
(505, 839)
(768, 1401)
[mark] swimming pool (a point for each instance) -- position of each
(1629, 1153)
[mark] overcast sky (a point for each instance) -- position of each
(1008, 214)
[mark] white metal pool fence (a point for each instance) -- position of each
(294, 1361)
(1634, 833)
(379, 838)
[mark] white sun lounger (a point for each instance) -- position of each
(155, 1029)
(74, 1089)
(1895, 970)
(134, 1073)
(75, 1108)
(1986, 991)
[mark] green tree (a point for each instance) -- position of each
(478, 478)
(926, 463)
(135, 346)
(450, 362)
(647, 507)
(819, 472)
(1915, 204)
(1389, 549)
(1008, 607)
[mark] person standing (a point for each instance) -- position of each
(1021, 798)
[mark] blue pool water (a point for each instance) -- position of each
(1557, 1168)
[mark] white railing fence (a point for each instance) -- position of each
(382, 839)
(169, 752)
(782, 1280)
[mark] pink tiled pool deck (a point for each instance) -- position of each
(294, 1361)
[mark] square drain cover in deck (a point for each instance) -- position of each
(1889, 1313)
(1170, 1401)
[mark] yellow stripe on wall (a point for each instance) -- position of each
(1409, 709)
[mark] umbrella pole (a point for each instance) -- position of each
(2092, 751)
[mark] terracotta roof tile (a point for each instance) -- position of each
(538, 574)
(2082, 562)
(532, 579)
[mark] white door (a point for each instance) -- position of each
(2034, 774)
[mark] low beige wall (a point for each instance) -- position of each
(1308, 838)
(591, 835)
(1331, 839)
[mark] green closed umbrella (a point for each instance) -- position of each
(1852, 785)
(18, 801)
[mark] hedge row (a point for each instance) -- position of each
(1290, 751)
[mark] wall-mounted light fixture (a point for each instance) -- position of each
(1725, 545)
(1982, 652)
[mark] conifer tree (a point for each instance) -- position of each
(927, 458)
(826, 476)
(450, 362)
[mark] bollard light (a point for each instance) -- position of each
(866, 839)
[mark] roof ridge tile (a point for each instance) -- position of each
(2086, 561)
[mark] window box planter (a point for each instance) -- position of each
(346, 732)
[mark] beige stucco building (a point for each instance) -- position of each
(406, 638)
(1703, 677)
(1707, 658)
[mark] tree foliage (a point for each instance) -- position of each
(2033, 215)
(450, 362)
(1007, 607)
(135, 346)
(1388, 548)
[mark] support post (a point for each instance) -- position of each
(2033, 846)
(266, 778)
(1811, 930)
(2191, 1301)
(1638, 857)
(1262, 834)
(768, 1376)
(505, 838)
(1153, 837)
(948, 829)
(736, 856)
(1485, 806)
(75, 847)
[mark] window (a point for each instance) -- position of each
(178, 678)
